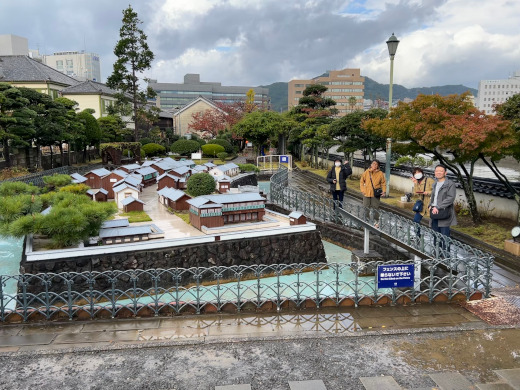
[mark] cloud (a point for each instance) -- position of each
(257, 42)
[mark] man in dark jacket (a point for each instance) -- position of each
(337, 177)
(442, 197)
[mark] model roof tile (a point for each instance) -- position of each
(101, 172)
(130, 199)
(172, 193)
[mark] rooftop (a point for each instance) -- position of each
(89, 88)
(23, 68)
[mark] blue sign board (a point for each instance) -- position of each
(284, 159)
(395, 276)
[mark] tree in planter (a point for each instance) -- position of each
(451, 129)
(133, 57)
(200, 184)
(185, 146)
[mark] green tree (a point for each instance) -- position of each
(353, 137)
(16, 119)
(222, 142)
(212, 150)
(112, 128)
(312, 113)
(451, 129)
(258, 127)
(92, 131)
(200, 184)
(133, 57)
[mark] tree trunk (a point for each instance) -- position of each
(39, 156)
(52, 158)
(62, 157)
(6, 153)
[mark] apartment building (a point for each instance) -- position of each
(343, 85)
(491, 92)
(78, 64)
(177, 95)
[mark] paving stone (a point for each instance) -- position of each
(50, 328)
(33, 339)
(96, 337)
(171, 334)
(121, 325)
(307, 385)
(511, 376)
(452, 381)
(234, 387)
(494, 386)
(379, 383)
(435, 319)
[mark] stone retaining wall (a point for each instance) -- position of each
(282, 249)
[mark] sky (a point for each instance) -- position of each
(258, 42)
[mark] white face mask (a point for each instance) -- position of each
(418, 176)
(337, 164)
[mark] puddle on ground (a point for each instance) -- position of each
(479, 351)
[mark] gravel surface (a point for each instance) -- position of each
(269, 364)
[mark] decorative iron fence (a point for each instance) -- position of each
(197, 290)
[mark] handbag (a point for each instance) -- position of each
(444, 213)
(419, 204)
(377, 191)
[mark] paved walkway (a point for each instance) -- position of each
(205, 328)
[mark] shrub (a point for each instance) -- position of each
(222, 156)
(57, 180)
(212, 150)
(228, 148)
(145, 141)
(11, 188)
(153, 149)
(200, 184)
(185, 146)
(80, 189)
(248, 168)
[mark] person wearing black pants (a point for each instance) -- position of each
(337, 177)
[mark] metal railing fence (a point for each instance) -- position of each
(37, 177)
(174, 291)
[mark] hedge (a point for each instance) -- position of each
(212, 150)
(228, 148)
(153, 149)
(185, 146)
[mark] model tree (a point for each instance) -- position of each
(133, 57)
(200, 184)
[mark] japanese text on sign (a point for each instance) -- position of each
(395, 276)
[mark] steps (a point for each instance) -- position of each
(509, 380)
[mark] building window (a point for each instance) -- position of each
(59, 64)
(69, 63)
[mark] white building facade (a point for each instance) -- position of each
(491, 92)
(78, 64)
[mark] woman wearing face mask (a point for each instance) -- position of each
(422, 189)
(337, 177)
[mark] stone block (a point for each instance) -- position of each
(512, 247)
(362, 258)
(307, 385)
(380, 382)
(405, 205)
(451, 381)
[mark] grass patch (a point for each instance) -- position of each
(136, 216)
(185, 216)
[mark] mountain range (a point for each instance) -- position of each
(373, 90)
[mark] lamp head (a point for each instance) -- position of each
(392, 45)
(515, 232)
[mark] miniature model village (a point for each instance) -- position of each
(125, 185)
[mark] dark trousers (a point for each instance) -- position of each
(338, 195)
(417, 219)
(444, 230)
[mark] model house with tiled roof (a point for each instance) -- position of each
(77, 178)
(223, 183)
(175, 199)
(229, 169)
(132, 204)
(217, 210)
(149, 175)
(123, 191)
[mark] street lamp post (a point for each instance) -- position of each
(392, 48)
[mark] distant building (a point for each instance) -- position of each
(176, 95)
(491, 92)
(90, 94)
(13, 45)
(184, 116)
(23, 71)
(342, 86)
(78, 64)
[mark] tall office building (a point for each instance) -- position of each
(342, 86)
(491, 92)
(78, 64)
(172, 95)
